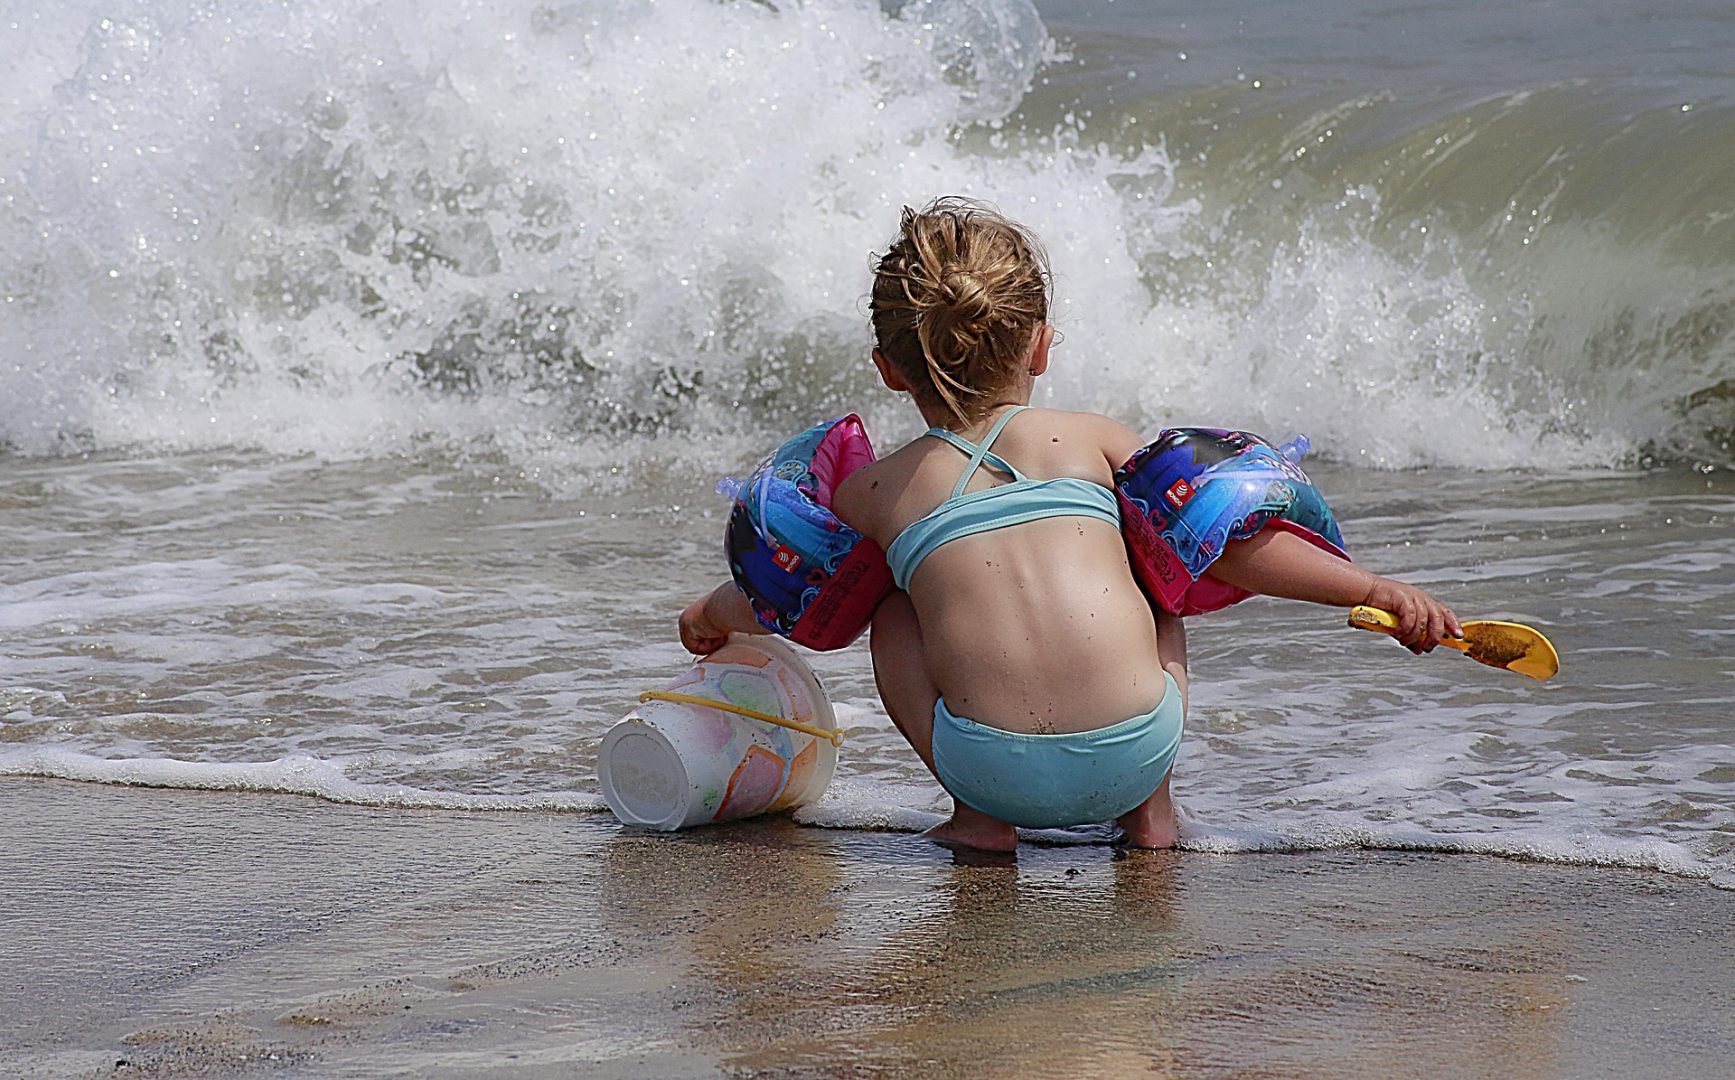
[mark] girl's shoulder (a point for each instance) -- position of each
(860, 500)
(1113, 439)
(875, 499)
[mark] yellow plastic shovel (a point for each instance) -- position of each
(1508, 645)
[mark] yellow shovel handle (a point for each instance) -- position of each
(830, 735)
(1384, 622)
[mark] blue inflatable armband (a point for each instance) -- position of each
(809, 577)
(1193, 490)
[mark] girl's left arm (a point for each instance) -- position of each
(708, 621)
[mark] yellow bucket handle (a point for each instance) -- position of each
(833, 736)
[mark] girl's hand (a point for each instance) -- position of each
(1422, 620)
(700, 634)
(709, 620)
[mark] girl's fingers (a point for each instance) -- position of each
(1407, 622)
(702, 645)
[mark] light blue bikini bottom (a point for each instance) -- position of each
(1049, 781)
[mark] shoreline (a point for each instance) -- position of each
(192, 933)
(319, 782)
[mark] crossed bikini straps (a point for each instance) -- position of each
(980, 452)
(1024, 499)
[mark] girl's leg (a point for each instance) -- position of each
(1172, 651)
(1152, 823)
(909, 695)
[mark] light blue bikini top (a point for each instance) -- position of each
(1024, 499)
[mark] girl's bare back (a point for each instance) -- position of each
(1037, 627)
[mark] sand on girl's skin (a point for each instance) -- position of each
(201, 933)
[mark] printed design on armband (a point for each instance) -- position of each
(1192, 491)
(808, 576)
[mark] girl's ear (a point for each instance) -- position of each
(889, 374)
(1039, 347)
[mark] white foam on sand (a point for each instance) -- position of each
(1533, 845)
(858, 804)
(294, 775)
(869, 805)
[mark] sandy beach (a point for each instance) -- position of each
(367, 372)
(165, 933)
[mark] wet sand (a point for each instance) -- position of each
(216, 934)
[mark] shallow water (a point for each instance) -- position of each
(417, 632)
(345, 229)
(366, 369)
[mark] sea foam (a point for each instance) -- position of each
(532, 229)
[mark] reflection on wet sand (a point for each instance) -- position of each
(744, 907)
(359, 942)
(1087, 962)
(1032, 971)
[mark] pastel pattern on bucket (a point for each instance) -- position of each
(756, 782)
(801, 771)
(677, 762)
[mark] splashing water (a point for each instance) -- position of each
(534, 228)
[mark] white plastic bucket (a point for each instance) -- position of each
(673, 764)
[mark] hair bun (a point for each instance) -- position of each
(967, 294)
(957, 300)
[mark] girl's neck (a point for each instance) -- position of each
(937, 415)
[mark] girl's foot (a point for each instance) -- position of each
(974, 829)
(1157, 835)
(1152, 823)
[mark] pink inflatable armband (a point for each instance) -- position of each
(810, 577)
(1193, 491)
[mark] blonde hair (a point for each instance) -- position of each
(957, 301)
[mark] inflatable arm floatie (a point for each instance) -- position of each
(816, 581)
(1194, 490)
(809, 577)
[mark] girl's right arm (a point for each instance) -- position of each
(1119, 442)
(1278, 563)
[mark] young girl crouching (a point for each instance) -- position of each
(1018, 655)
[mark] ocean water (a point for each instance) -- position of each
(365, 370)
